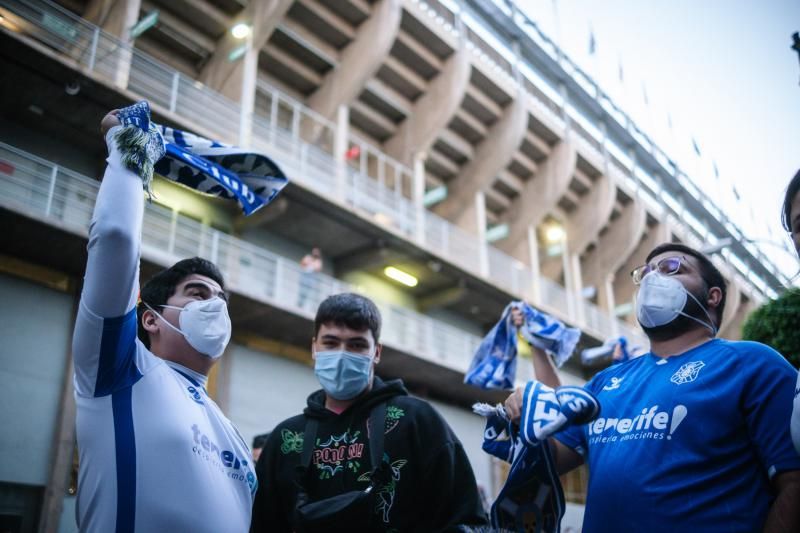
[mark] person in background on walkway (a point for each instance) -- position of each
(311, 264)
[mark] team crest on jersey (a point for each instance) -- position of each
(614, 384)
(687, 373)
(195, 394)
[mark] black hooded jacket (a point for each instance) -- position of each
(433, 487)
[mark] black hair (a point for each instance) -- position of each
(791, 192)
(260, 440)
(350, 310)
(161, 287)
(710, 274)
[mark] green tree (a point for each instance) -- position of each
(777, 323)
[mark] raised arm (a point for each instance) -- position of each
(543, 367)
(105, 331)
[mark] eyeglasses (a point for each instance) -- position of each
(667, 266)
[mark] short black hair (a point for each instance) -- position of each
(350, 310)
(260, 440)
(161, 287)
(791, 192)
(710, 274)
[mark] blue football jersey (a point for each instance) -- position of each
(689, 442)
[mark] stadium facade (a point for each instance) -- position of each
(451, 140)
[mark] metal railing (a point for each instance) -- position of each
(45, 191)
(299, 139)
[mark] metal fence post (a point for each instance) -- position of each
(51, 190)
(173, 95)
(93, 50)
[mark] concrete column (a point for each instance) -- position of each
(491, 156)
(434, 109)
(480, 222)
(576, 276)
(605, 300)
(613, 249)
(730, 327)
(569, 281)
(116, 18)
(533, 250)
(360, 60)
(230, 77)
(340, 149)
(540, 196)
(248, 95)
(733, 326)
(419, 196)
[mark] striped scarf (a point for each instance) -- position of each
(206, 166)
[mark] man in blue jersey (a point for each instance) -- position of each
(693, 435)
(156, 453)
(790, 217)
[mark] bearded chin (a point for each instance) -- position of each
(682, 323)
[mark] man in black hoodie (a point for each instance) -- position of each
(429, 484)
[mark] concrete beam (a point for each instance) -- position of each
(360, 60)
(540, 195)
(538, 143)
(491, 157)
(480, 97)
(228, 77)
(309, 40)
(434, 110)
(457, 143)
(441, 298)
(613, 249)
(408, 75)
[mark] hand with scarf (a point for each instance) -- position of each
(543, 367)
(540, 410)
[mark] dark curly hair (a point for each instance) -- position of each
(161, 287)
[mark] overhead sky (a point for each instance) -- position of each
(722, 70)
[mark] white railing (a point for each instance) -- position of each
(299, 139)
(47, 192)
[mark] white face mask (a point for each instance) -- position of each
(204, 323)
(661, 300)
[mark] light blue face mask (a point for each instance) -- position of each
(343, 375)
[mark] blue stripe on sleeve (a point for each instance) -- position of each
(117, 364)
(125, 445)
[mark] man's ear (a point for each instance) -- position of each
(714, 297)
(378, 348)
(150, 322)
(713, 300)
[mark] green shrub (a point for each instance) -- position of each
(777, 323)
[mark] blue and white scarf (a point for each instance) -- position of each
(494, 364)
(532, 498)
(209, 167)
